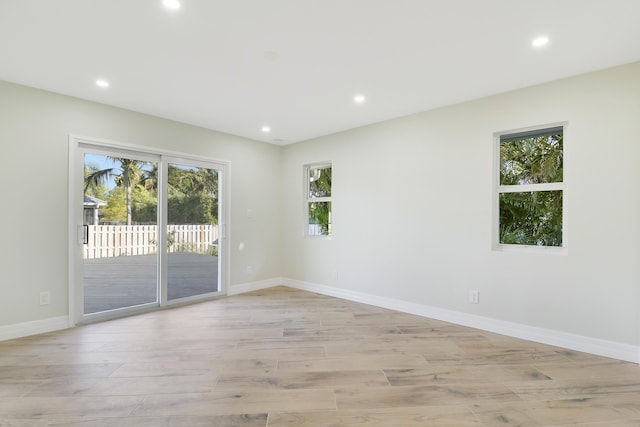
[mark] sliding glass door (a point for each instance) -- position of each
(148, 230)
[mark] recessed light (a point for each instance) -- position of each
(102, 83)
(540, 41)
(171, 4)
(359, 99)
(266, 129)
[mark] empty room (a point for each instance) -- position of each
(320, 213)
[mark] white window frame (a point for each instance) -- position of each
(555, 186)
(308, 200)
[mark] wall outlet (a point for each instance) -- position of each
(474, 297)
(249, 269)
(45, 298)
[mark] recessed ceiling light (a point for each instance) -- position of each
(540, 41)
(102, 83)
(266, 129)
(171, 4)
(359, 99)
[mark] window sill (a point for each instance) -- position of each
(318, 237)
(552, 250)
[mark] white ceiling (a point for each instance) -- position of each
(295, 65)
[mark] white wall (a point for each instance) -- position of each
(34, 134)
(413, 198)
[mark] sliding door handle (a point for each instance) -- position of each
(83, 234)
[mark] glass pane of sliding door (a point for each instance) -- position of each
(192, 230)
(120, 255)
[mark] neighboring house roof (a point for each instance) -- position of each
(93, 202)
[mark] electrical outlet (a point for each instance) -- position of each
(474, 297)
(45, 298)
(249, 269)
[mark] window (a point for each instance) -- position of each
(531, 188)
(318, 199)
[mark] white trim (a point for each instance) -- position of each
(255, 286)
(557, 250)
(34, 327)
(531, 188)
(72, 223)
(566, 340)
(141, 149)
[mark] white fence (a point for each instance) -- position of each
(124, 240)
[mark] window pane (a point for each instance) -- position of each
(319, 181)
(319, 218)
(531, 160)
(192, 231)
(531, 218)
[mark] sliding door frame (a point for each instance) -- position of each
(77, 146)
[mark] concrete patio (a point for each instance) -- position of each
(125, 281)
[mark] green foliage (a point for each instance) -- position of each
(191, 209)
(193, 195)
(531, 161)
(320, 214)
(116, 209)
(143, 205)
(144, 209)
(531, 218)
(319, 182)
(212, 250)
(320, 186)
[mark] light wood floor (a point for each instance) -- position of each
(283, 357)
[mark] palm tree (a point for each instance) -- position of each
(94, 189)
(130, 174)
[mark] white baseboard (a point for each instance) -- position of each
(566, 340)
(254, 286)
(590, 345)
(35, 327)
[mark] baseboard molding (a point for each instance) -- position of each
(35, 327)
(590, 345)
(575, 342)
(254, 286)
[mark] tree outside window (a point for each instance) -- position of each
(531, 187)
(318, 199)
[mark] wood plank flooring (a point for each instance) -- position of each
(284, 357)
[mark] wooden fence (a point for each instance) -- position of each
(125, 240)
